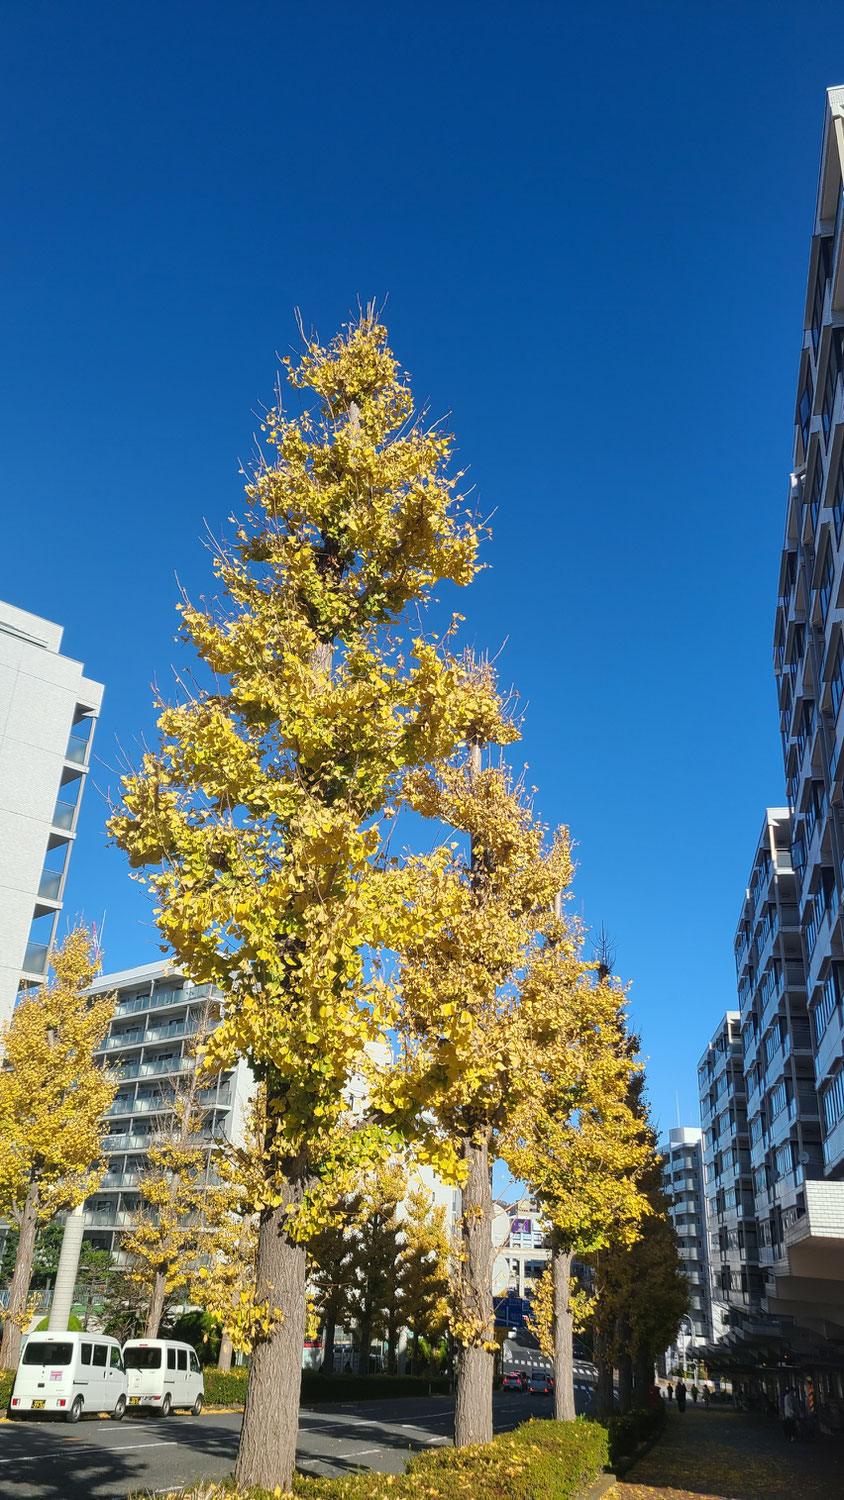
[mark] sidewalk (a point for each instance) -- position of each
(726, 1455)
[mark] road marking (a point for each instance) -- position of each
(131, 1446)
(358, 1453)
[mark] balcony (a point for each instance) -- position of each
(35, 958)
(64, 815)
(50, 885)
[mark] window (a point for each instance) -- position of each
(833, 370)
(825, 585)
(194, 1362)
(814, 495)
(142, 1359)
(821, 278)
(804, 409)
(46, 1352)
(85, 1354)
(100, 1355)
(114, 1359)
(171, 1359)
(836, 679)
(778, 1099)
(825, 1006)
(183, 1358)
(833, 1106)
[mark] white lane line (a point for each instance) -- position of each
(130, 1447)
(358, 1453)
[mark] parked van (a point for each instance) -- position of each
(163, 1373)
(68, 1373)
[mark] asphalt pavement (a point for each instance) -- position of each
(102, 1460)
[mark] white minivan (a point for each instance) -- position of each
(163, 1373)
(68, 1373)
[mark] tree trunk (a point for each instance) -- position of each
(643, 1376)
(224, 1358)
(603, 1387)
(365, 1344)
(563, 1334)
(267, 1450)
(473, 1404)
(414, 1354)
(157, 1299)
(328, 1337)
(625, 1382)
(392, 1343)
(10, 1349)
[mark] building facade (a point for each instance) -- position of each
(157, 1017)
(735, 1278)
(48, 710)
(683, 1183)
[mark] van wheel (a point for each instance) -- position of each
(76, 1410)
(197, 1406)
(165, 1406)
(120, 1410)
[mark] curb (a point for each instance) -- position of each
(602, 1484)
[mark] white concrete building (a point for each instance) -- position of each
(48, 709)
(682, 1181)
(148, 1047)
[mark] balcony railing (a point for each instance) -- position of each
(35, 958)
(64, 815)
(49, 885)
(77, 750)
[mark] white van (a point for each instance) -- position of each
(163, 1373)
(68, 1373)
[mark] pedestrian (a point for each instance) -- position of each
(707, 1396)
(789, 1415)
(694, 1393)
(669, 1391)
(680, 1393)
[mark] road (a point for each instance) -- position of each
(102, 1460)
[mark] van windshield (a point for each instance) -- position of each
(44, 1352)
(142, 1359)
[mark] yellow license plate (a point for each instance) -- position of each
(134, 1400)
(37, 1405)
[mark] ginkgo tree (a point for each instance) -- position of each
(257, 818)
(470, 1022)
(53, 1096)
(575, 1140)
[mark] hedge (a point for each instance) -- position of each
(230, 1389)
(627, 1432)
(7, 1380)
(539, 1461)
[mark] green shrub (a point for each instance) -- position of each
(225, 1389)
(7, 1380)
(230, 1390)
(634, 1427)
(74, 1325)
(540, 1461)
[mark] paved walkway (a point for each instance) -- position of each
(726, 1455)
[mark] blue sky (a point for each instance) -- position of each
(593, 232)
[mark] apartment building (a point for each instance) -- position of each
(158, 1014)
(48, 710)
(733, 1252)
(683, 1183)
(782, 1105)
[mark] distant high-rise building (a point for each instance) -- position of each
(48, 709)
(735, 1277)
(683, 1182)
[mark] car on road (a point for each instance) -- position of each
(515, 1380)
(541, 1383)
(66, 1374)
(163, 1373)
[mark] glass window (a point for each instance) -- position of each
(194, 1362)
(114, 1360)
(183, 1358)
(100, 1355)
(142, 1359)
(171, 1359)
(804, 410)
(86, 1354)
(47, 1352)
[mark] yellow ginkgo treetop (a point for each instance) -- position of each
(53, 1096)
(470, 1025)
(258, 817)
(575, 1139)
